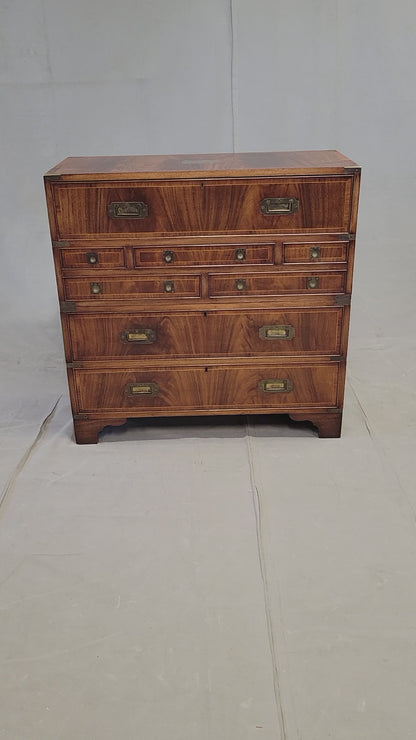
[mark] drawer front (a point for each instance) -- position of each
(282, 205)
(181, 286)
(234, 388)
(314, 253)
(269, 284)
(179, 256)
(291, 332)
(84, 258)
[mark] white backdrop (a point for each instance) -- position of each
(95, 77)
(170, 76)
(131, 591)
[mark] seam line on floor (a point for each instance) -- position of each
(366, 421)
(266, 595)
(382, 454)
(26, 457)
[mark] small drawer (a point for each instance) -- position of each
(263, 388)
(206, 254)
(315, 253)
(129, 288)
(277, 283)
(84, 258)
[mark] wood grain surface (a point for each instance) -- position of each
(197, 298)
(212, 387)
(203, 206)
(258, 164)
(205, 334)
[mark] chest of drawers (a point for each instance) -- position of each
(214, 284)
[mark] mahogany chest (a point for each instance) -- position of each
(213, 284)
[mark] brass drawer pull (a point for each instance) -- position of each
(96, 288)
(275, 331)
(169, 286)
(240, 255)
(315, 253)
(128, 210)
(92, 258)
(313, 282)
(141, 389)
(241, 284)
(169, 256)
(279, 206)
(141, 336)
(276, 385)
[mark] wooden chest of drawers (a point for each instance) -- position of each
(196, 285)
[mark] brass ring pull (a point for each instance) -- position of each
(92, 258)
(169, 256)
(169, 286)
(315, 253)
(241, 284)
(240, 255)
(139, 336)
(96, 288)
(313, 282)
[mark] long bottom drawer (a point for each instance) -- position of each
(149, 391)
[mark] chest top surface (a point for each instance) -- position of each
(251, 164)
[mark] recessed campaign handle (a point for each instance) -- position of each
(138, 336)
(279, 206)
(142, 389)
(276, 385)
(128, 209)
(277, 331)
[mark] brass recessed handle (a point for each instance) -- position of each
(92, 258)
(277, 331)
(128, 209)
(279, 206)
(312, 282)
(141, 389)
(315, 253)
(169, 256)
(96, 288)
(139, 336)
(241, 284)
(276, 385)
(240, 254)
(169, 286)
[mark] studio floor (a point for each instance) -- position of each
(211, 579)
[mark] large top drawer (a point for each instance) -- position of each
(133, 208)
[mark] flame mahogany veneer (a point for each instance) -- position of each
(204, 284)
